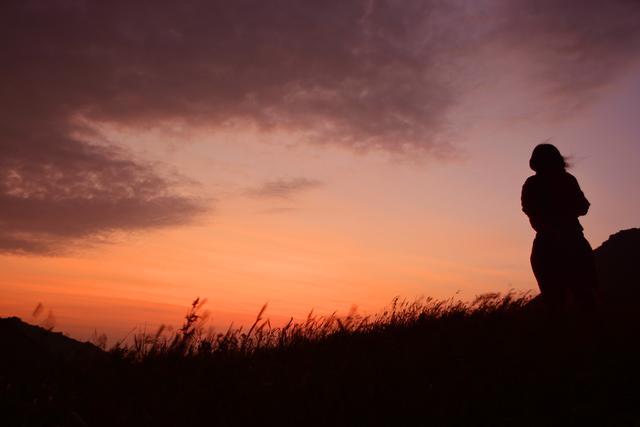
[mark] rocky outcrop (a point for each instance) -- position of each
(618, 263)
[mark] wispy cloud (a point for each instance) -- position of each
(283, 188)
(574, 48)
(72, 191)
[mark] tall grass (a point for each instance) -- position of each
(193, 338)
(496, 360)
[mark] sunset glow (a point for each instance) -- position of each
(332, 155)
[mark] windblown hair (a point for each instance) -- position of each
(547, 158)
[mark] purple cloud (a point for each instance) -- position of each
(362, 74)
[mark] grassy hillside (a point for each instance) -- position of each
(501, 360)
(497, 361)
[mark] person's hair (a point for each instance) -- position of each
(547, 158)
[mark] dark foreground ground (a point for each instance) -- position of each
(498, 362)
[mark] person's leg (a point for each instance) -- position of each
(547, 271)
(586, 281)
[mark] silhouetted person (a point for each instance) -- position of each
(562, 259)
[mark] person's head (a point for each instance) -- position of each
(547, 158)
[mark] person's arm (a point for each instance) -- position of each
(530, 204)
(581, 204)
(526, 198)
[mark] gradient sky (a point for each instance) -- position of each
(304, 154)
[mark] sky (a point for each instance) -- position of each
(324, 156)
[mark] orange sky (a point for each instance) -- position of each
(376, 228)
(305, 205)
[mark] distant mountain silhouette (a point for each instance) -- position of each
(24, 343)
(618, 263)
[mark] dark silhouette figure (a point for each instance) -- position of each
(562, 259)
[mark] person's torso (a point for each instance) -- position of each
(554, 200)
